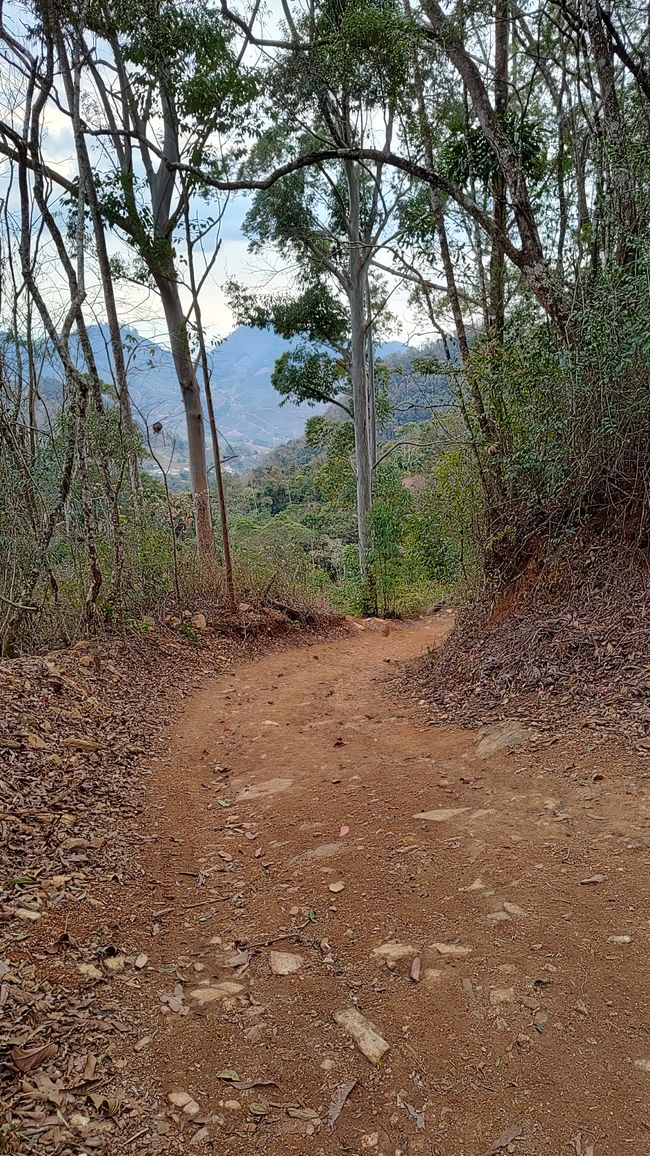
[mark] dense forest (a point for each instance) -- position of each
(483, 162)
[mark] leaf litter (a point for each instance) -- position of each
(75, 728)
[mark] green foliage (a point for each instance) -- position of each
(315, 314)
(366, 48)
(467, 154)
(300, 375)
(184, 49)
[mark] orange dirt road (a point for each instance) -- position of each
(508, 997)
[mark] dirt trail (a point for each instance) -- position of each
(528, 1028)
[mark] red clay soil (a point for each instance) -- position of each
(499, 947)
(526, 1030)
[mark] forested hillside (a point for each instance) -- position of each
(473, 174)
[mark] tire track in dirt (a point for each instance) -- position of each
(529, 1020)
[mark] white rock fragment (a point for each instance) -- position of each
(513, 909)
(453, 950)
(369, 1141)
(285, 962)
(223, 990)
(392, 952)
(261, 790)
(477, 885)
(440, 815)
(180, 1099)
(501, 995)
(364, 1033)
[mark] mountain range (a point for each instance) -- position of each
(251, 417)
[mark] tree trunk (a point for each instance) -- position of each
(187, 379)
(496, 321)
(370, 370)
(218, 473)
(357, 300)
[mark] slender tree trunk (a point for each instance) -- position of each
(180, 347)
(214, 434)
(357, 301)
(496, 321)
(218, 472)
(370, 370)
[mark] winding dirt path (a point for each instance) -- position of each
(514, 1000)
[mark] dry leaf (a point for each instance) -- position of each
(28, 1059)
(338, 1102)
(75, 743)
(514, 1133)
(303, 1114)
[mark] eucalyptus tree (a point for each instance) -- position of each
(340, 83)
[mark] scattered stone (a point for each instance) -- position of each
(180, 1099)
(393, 952)
(324, 851)
(497, 917)
(477, 885)
(513, 909)
(285, 962)
(503, 736)
(199, 621)
(415, 969)
(440, 815)
(642, 1065)
(90, 971)
(261, 790)
(223, 990)
(364, 1033)
(141, 961)
(192, 1108)
(369, 1141)
(620, 939)
(453, 950)
(592, 880)
(27, 914)
(501, 995)
(336, 888)
(114, 962)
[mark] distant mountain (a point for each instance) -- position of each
(250, 417)
(247, 406)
